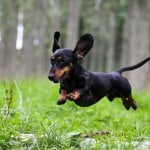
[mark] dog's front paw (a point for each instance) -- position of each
(74, 95)
(60, 102)
(70, 97)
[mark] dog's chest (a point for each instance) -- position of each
(69, 84)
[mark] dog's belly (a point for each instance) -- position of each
(87, 99)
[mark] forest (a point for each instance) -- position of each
(121, 30)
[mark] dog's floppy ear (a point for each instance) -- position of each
(83, 45)
(55, 43)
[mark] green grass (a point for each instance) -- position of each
(31, 119)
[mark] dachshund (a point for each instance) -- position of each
(84, 87)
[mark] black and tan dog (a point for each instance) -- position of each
(84, 87)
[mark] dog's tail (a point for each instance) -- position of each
(123, 69)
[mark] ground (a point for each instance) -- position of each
(31, 119)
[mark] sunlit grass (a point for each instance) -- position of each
(35, 121)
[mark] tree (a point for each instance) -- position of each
(9, 10)
(111, 40)
(136, 42)
(72, 23)
(33, 51)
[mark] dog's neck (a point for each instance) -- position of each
(75, 72)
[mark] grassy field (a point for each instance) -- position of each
(31, 119)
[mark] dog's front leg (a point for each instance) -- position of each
(82, 89)
(77, 93)
(74, 95)
(62, 97)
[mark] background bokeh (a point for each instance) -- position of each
(121, 29)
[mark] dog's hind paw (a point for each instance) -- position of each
(134, 105)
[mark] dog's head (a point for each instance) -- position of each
(63, 59)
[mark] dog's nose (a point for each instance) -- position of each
(51, 76)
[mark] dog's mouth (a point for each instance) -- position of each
(55, 81)
(51, 77)
(61, 74)
(56, 78)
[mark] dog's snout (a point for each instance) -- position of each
(51, 76)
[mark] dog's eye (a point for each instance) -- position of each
(63, 61)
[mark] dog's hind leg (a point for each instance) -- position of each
(129, 102)
(126, 102)
(132, 102)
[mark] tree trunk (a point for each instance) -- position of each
(9, 18)
(138, 39)
(2, 28)
(111, 42)
(72, 23)
(40, 32)
(56, 16)
(54, 22)
(28, 50)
